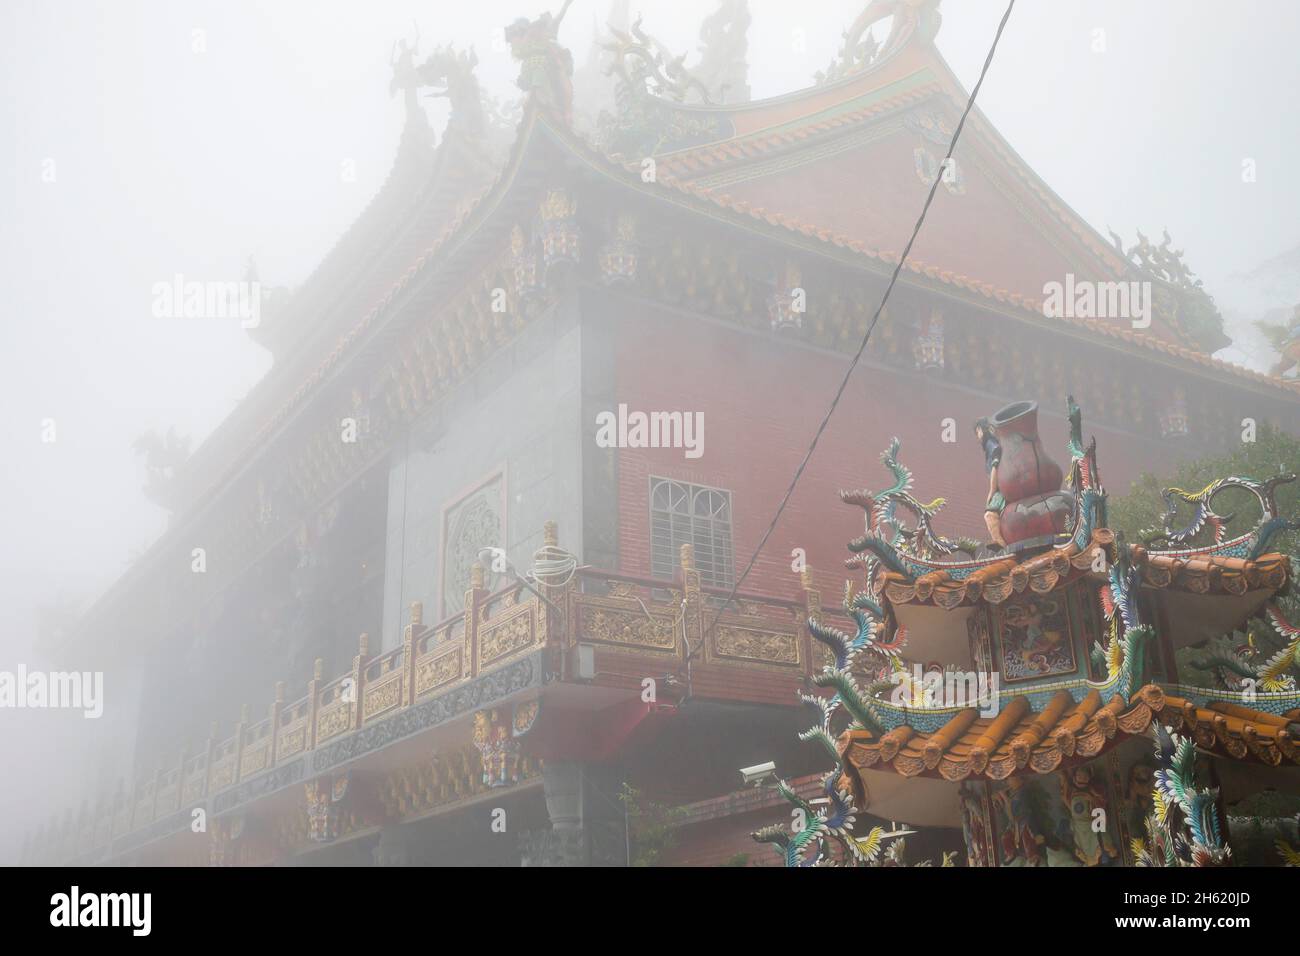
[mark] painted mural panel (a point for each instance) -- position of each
(1035, 638)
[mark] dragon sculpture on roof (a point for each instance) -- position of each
(545, 67)
(1238, 667)
(1183, 827)
(651, 88)
(1251, 544)
(861, 50)
(1180, 295)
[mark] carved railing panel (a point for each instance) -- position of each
(168, 792)
(439, 663)
(225, 765)
(383, 687)
(295, 725)
(143, 806)
(511, 631)
(755, 642)
(255, 749)
(628, 624)
(334, 712)
(195, 784)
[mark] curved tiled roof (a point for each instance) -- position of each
(1027, 307)
(995, 582)
(698, 159)
(1016, 740)
(1020, 740)
(1234, 730)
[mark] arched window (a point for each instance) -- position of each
(682, 513)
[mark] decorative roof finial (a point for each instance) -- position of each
(546, 68)
(724, 46)
(450, 74)
(405, 76)
(861, 49)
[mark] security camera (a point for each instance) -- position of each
(758, 774)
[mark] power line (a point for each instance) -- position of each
(844, 384)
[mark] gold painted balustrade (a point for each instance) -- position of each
(623, 616)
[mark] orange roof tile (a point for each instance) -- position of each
(999, 580)
(1013, 741)
(1236, 731)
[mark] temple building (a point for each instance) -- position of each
(419, 602)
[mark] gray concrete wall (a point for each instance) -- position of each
(520, 415)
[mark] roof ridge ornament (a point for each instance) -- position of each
(861, 50)
(405, 75)
(644, 66)
(545, 67)
(450, 74)
(651, 88)
(1179, 294)
(724, 47)
(164, 459)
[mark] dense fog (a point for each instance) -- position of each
(148, 141)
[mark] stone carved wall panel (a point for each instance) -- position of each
(475, 522)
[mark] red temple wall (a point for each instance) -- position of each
(762, 400)
(720, 842)
(991, 231)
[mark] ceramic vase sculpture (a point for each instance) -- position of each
(1036, 507)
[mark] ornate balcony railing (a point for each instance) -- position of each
(639, 626)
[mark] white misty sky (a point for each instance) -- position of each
(168, 160)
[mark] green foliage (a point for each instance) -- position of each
(1202, 320)
(1258, 836)
(1280, 334)
(652, 826)
(1273, 452)
(1268, 803)
(740, 859)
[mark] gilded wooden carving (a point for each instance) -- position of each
(628, 627)
(223, 774)
(333, 720)
(382, 696)
(254, 759)
(292, 740)
(433, 672)
(499, 639)
(752, 644)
